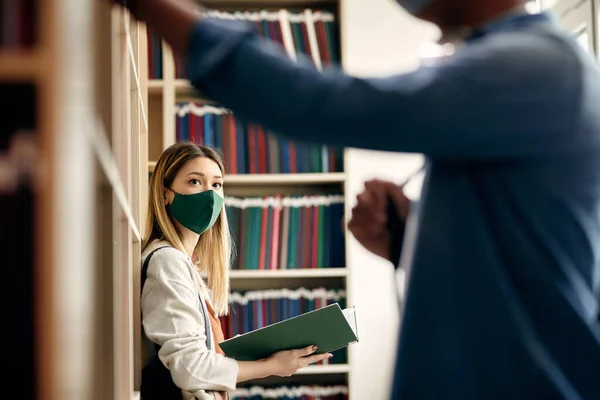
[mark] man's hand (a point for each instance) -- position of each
(171, 20)
(368, 223)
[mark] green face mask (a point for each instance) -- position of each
(198, 212)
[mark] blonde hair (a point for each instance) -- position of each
(214, 250)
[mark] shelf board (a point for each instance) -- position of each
(183, 85)
(277, 179)
(20, 65)
(324, 369)
(155, 86)
(184, 91)
(289, 273)
(254, 4)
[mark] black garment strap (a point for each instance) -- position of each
(395, 226)
(145, 275)
(147, 263)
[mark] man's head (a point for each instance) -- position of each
(452, 14)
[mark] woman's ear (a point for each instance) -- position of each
(166, 197)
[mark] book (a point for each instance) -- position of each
(329, 328)
(293, 391)
(249, 148)
(287, 232)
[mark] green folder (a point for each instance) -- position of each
(329, 328)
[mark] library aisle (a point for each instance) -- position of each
(94, 98)
(285, 200)
(90, 99)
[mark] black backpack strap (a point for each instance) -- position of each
(147, 263)
(145, 275)
(396, 225)
(157, 383)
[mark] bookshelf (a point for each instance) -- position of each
(169, 94)
(73, 173)
(26, 130)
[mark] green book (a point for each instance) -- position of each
(329, 328)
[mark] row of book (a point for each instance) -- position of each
(298, 392)
(312, 35)
(17, 24)
(281, 232)
(255, 309)
(249, 148)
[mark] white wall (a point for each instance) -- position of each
(577, 17)
(597, 21)
(378, 38)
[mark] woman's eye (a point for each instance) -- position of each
(217, 185)
(195, 182)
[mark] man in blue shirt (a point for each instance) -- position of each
(504, 246)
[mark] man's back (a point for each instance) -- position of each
(504, 272)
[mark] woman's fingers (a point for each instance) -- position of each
(315, 358)
(304, 352)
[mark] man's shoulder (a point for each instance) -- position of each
(524, 50)
(526, 64)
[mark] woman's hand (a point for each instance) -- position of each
(286, 363)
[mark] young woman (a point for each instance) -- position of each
(187, 233)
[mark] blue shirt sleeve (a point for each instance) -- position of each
(512, 96)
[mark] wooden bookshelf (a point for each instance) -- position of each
(324, 369)
(279, 179)
(166, 92)
(289, 273)
(23, 66)
(27, 130)
(155, 86)
(91, 157)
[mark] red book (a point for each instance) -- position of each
(277, 32)
(305, 40)
(262, 260)
(292, 146)
(322, 40)
(224, 139)
(315, 238)
(262, 150)
(252, 149)
(275, 235)
(233, 157)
